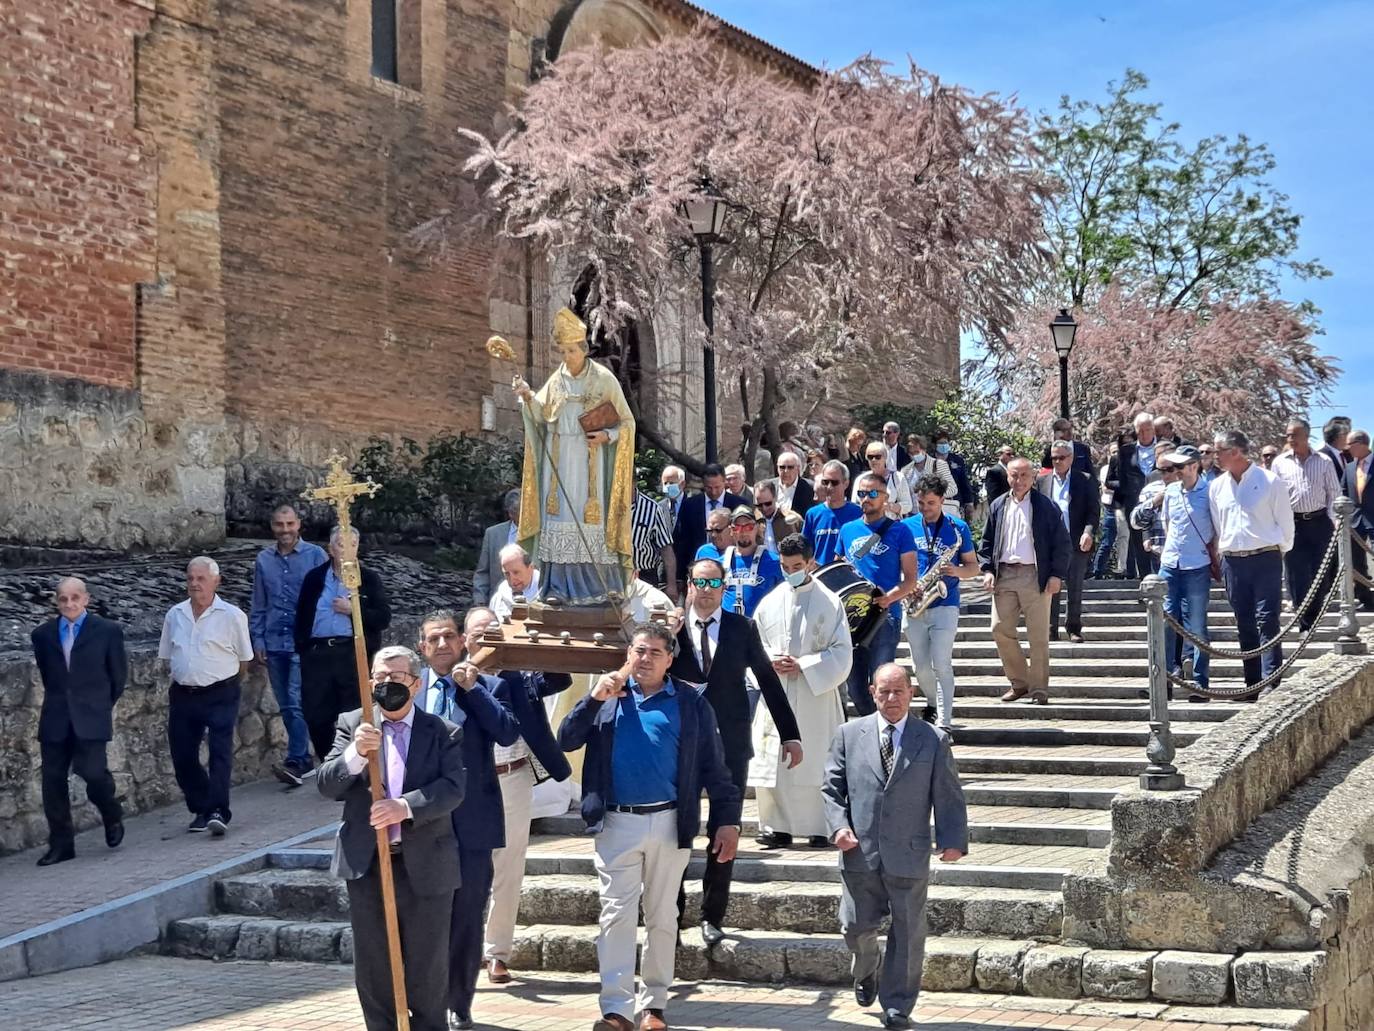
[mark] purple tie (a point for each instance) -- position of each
(396, 732)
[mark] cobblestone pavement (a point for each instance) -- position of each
(157, 993)
(156, 849)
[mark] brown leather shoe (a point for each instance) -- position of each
(613, 1022)
(497, 973)
(1015, 693)
(652, 1020)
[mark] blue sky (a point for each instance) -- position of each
(1296, 75)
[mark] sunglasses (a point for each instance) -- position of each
(871, 493)
(767, 504)
(1168, 468)
(713, 530)
(874, 458)
(830, 483)
(703, 583)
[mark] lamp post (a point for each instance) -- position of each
(1063, 329)
(705, 210)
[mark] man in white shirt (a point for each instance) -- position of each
(899, 499)
(1253, 518)
(521, 581)
(1313, 482)
(206, 645)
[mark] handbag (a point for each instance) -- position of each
(602, 417)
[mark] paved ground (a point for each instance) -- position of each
(156, 849)
(157, 993)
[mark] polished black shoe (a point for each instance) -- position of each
(711, 934)
(896, 1018)
(459, 1021)
(57, 854)
(217, 823)
(774, 839)
(199, 824)
(288, 774)
(818, 841)
(114, 833)
(866, 990)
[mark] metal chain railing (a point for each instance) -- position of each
(1161, 774)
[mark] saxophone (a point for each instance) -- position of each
(932, 584)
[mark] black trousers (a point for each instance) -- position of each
(423, 922)
(1073, 588)
(87, 758)
(715, 882)
(466, 927)
(329, 686)
(1310, 540)
(1139, 562)
(193, 715)
(1360, 561)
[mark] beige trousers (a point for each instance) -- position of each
(1017, 593)
(508, 864)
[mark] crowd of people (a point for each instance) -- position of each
(747, 684)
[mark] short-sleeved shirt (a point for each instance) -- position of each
(207, 650)
(749, 578)
(821, 529)
(644, 751)
(650, 531)
(931, 540)
(881, 565)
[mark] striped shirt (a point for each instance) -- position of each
(649, 531)
(1311, 482)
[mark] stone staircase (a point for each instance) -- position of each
(1039, 781)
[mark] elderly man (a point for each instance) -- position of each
(520, 583)
(278, 573)
(422, 753)
(1253, 518)
(1024, 555)
(1207, 456)
(1358, 473)
(651, 537)
(995, 479)
(1164, 431)
(897, 457)
(673, 484)
(1313, 483)
(804, 631)
(652, 748)
(1062, 429)
(81, 661)
(206, 646)
(494, 539)
(791, 490)
(719, 536)
(1267, 455)
(1075, 494)
(1143, 516)
(775, 521)
(888, 779)
(324, 639)
(899, 502)
(736, 483)
(821, 528)
(1135, 463)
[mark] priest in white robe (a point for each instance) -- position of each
(803, 627)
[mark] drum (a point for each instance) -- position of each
(857, 594)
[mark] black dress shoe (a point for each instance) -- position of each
(459, 1021)
(711, 934)
(818, 841)
(287, 774)
(866, 990)
(57, 854)
(896, 1018)
(114, 833)
(774, 839)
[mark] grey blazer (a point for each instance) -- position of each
(892, 819)
(488, 569)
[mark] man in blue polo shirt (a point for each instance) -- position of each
(751, 570)
(832, 510)
(931, 634)
(883, 552)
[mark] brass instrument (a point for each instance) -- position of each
(931, 586)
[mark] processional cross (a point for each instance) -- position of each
(340, 490)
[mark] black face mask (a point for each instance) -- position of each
(391, 695)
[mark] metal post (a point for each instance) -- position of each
(1348, 629)
(708, 354)
(1064, 386)
(1161, 774)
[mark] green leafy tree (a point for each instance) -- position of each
(981, 427)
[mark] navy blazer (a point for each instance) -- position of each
(1082, 459)
(526, 693)
(689, 532)
(81, 698)
(1051, 540)
(1362, 519)
(700, 764)
(486, 721)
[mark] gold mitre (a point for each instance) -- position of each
(568, 328)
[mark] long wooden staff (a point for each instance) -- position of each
(340, 489)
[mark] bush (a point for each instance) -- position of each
(649, 463)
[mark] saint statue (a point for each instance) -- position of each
(578, 485)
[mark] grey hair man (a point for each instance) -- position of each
(496, 537)
(736, 482)
(1313, 482)
(520, 581)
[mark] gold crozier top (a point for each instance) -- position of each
(340, 488)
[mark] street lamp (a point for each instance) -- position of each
(1063, 329)
(705, 210)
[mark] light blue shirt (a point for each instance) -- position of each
(276, 586)
(1187, 518)
(1059, 494)
(1145, 457)
(63, 623)
(329, 623)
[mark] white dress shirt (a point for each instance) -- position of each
(1312, 482)
(1018, 544)
(898, 729)
(503, 601)
(712, 632)
(784, 494)
(207, 650)
(1252, 513)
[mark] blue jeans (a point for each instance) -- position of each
(1108, 542)
(1189, 592)
(1254, 587)
(931, 636)
(284, 672)
(883, 648)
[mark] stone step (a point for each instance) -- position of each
(1221, 669)
(1059, 791)
(1097, 651)
(1050, 733)
(1086, 709)
(1078, 687)
(1096, 760)
(1134, 632)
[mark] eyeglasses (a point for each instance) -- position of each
(713, 530)
(830, 483)
(703, 583)
(391, 676)
(870, 493)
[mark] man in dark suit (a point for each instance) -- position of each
(422, 769)
(480, 704)
(995, 478)
(716, 648)
(324, 641)
(1135, 463)
(792, 491)
(1335, 442)
(1359, 473)
(1075, 494)
(887, 776)
(897, 458)
(487, 574)
(1062, 429)
(1024, 555)
(81, 660)
(689, 532)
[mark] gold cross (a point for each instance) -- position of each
(340, 488)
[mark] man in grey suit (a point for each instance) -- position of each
(885, 776)
(488, 571)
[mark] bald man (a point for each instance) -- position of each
(80, 657)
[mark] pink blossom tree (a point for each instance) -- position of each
(870, 212)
